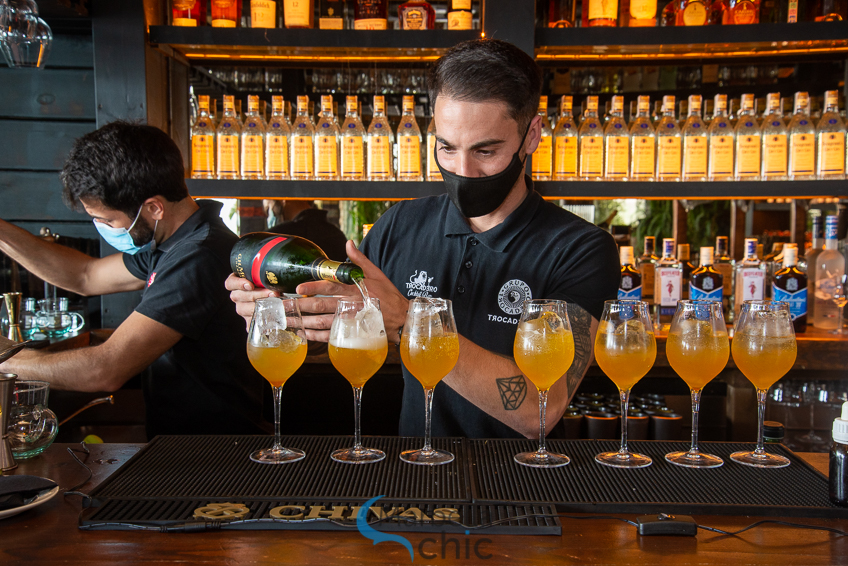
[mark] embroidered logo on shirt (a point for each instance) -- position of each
(152, 278)
(419, 285)
(512, 295)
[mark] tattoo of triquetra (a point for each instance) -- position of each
(513, 390)
(581, 325)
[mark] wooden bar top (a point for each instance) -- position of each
(48, 534)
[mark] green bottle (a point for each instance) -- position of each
(281, 262)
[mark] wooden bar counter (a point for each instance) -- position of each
(48, 534)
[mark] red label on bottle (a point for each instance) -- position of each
(259, 258)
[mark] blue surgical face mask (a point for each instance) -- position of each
(120, 238)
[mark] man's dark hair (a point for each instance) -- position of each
(121, 165)
(485, 70)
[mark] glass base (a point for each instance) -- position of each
(694, 459)
(277, 455)
(812, 438)
(426, 457)
(358, 455)
(542, 459)
(763, 460)
(623, 459)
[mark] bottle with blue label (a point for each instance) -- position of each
(705, 283)
(830, 267)
(790, 286)
(630, 284)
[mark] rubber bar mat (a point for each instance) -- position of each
(586, 486)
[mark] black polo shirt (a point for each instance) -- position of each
(313, 225)
(205, 383)
(540, 251)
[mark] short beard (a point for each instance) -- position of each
(142, 233)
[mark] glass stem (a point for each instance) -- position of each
(839, 319)
(624, 394)
(428, 411)
(696, 409)
(761, 414)
(278, 400)
(543, 405)
(357, 403)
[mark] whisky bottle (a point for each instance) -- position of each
(226, 13)
(829, 11)
(591, 143)
(541, 161)
(790, 286)
(642, 142)
(694, 143)
(829, 267)
(433, 173)
(830, 137)
(353, 143)
(561, 13)
(741, 12)
(380, 141)
(227, 138)
(331, 14)
(668, 144)
(253, 142)
(565, 143)
(203, 142)
(409, 143)
(683, 256)
(630, 284)
(706, 283)
(811, 259)
(721, 143)
(617, 143)
(775, 144)
(749, 277)
(416, 14)
(277, 142)
(370, 14)
(643, 13)
(326, 143)
(647, 267)
(802, 141)
(299, 14)
(600, 13)
(188, 13)
(748, 142)
(691, 13)
(668, 283)
(302, 157)
(263, 13)
(460, 15)
(723, 263)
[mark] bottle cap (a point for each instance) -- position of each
(706, 255)
(626, 255)
(773, 430)
(840, 426)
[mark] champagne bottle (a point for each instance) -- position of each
(280, 262)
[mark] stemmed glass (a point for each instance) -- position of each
(764, 350)
(625, 349)
(840, 299)
(544, 350)
(697, 349)
(276, 346)
(358, 348)
(429, 348)
(809, 393)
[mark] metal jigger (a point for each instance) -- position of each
(13, 309)
(7, 388)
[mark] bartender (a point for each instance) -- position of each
(489, 244)
(130, 180)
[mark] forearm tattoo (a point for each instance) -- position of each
(581, 329)
(513, 390)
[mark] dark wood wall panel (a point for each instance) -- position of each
(71, 51)
(39, 146)
(30, 196)
(50, 93)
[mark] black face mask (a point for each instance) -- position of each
(479, 196)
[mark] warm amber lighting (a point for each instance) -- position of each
(696, 51)
(325, 58)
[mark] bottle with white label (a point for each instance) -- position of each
(460, 15)
(830, 267)
(433, 173)
(616, 143)
(253, 142)
(203, 142)
(642, 142)
(721, 143)
(541, 162)
(227, 140)
(669, 144)
(775, 143)
(790, 286)
(694, 143)
(668, 285)
(301, 155)
(380, 141)
(810, 260)
(565, 143)
(630, 284)
(802, 141)
(591, 143)
(409, 143)
(647, 267)
(749, 278)
(830, 137)
(326, 143)
(298, 14)
(706, 283)
(277, 142)
(352, 140)
(263, 13)
(748, 142)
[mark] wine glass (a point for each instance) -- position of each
(276, 346)
(544, 350)
(698, 349)
(358, 348)
(764, 350)
(840, 299)
(429, 348)
(625, 349)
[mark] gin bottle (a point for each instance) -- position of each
(749, 277)
(541, 160)
(326, 143)
(380, 141)
(642, 142)
(203, 142)
(253, 142)
(802, 141)
(227, 141)
(565, 143)
(409, 143)
(617, 143)
(668, 144)
(748, 142)
(301, 155)
(591, 143)
(775, 145)
(352, 140)
(810, 260)
(830, 267)
(694, 143)
(647, 266)
(723, 263)
(668, 283)
(277, 142)
(830, 135)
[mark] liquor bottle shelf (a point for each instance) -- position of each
(572, 190)
(306, 45)
(805, 39)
